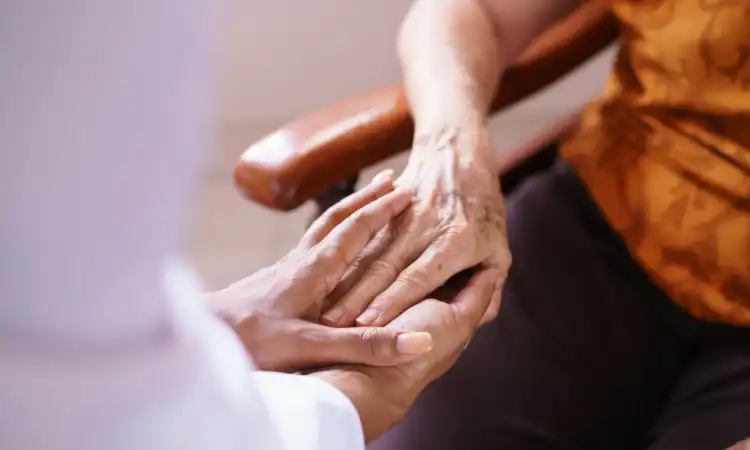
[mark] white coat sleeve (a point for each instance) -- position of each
(104, 342)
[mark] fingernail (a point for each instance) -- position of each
(383, 176)
(413, 343)
(368, 317)
(332, 317)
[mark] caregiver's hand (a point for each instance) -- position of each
(273, 310)
(456, 222)
(383, 395)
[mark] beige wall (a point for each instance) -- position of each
(285, 57)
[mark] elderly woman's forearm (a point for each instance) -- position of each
(453, 53)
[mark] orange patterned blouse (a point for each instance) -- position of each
(666, 151)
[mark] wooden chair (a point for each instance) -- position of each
(320, 156)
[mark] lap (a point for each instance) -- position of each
(581, 355)
(709, 407)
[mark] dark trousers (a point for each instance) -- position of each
(586, 353)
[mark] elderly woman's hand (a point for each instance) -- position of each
(275, 310)
(457, 222)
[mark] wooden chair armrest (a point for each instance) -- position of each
(308, 156)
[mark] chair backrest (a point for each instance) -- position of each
(311, 154)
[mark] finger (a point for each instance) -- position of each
(412, 285)
(376, 278)
(308, 345)
(358, 267)
(378, 187)
(500, 261)
(494, 308)
(374, 346)
(334, 254)
(473, 301)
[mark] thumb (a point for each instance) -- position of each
(374, 346)
(476, 299)
(319, 345)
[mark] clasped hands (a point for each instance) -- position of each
(378, 257)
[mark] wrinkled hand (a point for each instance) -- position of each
(456, 222)
(383, 395)
(274, 310)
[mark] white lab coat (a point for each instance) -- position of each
(104, 341)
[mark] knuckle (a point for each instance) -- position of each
(363, 219)
(330, 256)
(416, 278)
(376, 340)
(369, 337)
(338, 313)
(457, 231)
(301, 267)
(384, 268)
(358, 262)
(329, 262)
(336, 214)
(503, 260)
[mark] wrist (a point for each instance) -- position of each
(468, 119)
(470, 141)
(225, 306)
(378, 408)
(246, 324)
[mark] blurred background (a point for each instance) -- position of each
(284, 58)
